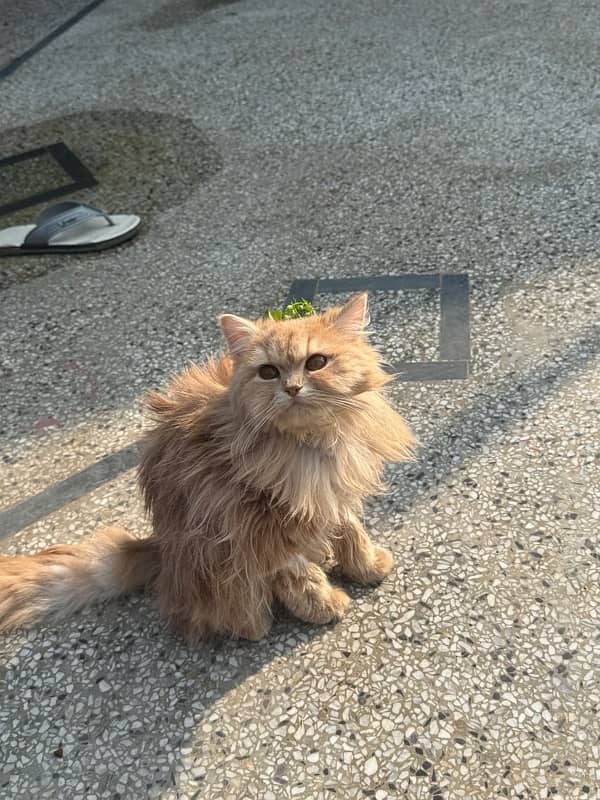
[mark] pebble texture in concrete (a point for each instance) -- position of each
(264, 141)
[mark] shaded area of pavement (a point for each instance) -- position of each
(264, 142)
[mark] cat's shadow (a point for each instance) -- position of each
(113, 685)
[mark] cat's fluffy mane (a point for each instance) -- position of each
(250, 488)
(236, 491)
(308, 475)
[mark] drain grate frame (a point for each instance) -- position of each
(80, 176)
(454, 334)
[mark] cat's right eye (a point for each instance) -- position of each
(316, 362)
(268, 372)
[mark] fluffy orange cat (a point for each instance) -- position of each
(254, 477)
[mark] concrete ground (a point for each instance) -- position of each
(264, 141)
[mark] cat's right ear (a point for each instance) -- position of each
(354, 316)
(237, 331)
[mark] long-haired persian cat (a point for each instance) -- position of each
(254, 477)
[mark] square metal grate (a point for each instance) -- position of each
(76, 175)
(454, 334)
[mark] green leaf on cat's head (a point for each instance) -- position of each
(277, 314)
(301, 308)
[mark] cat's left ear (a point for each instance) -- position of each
(237, 331)
(354, 316)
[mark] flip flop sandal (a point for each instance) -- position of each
(69, 227)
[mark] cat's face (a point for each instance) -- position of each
(301, 375)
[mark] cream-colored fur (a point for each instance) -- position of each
(254, 486)
(63, 579)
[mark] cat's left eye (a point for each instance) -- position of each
(268, 372)
(315, 362)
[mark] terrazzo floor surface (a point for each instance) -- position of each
(264, 141)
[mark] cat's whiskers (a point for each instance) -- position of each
(338, 401)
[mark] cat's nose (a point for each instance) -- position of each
(293, 389)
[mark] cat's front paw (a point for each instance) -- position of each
(383, 564)
(328, 605)
(338, 603)
(378, 567)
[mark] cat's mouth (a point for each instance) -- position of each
(295, 406)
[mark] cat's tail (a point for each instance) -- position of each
(65, 578)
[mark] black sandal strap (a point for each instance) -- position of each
(58, 218)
